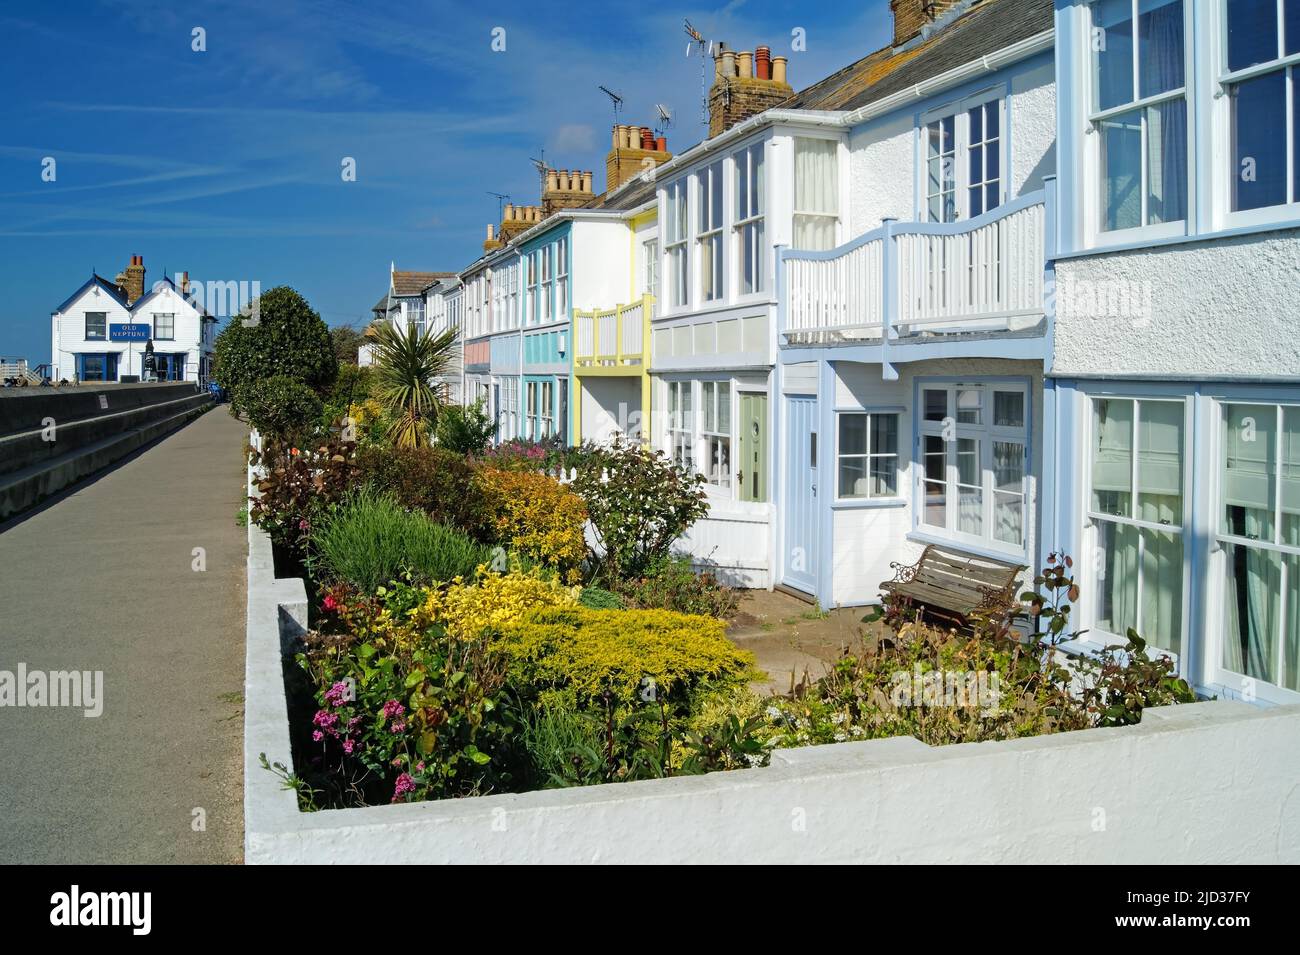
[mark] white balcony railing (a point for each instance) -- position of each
(918, 278)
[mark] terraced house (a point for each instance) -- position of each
(1011, 286)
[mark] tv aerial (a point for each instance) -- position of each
(502, 199)
(704, 47)
(665, 118)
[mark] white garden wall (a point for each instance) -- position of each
(1211, 782)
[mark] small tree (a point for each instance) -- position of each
(639, 501)
(347, 343)
(287, 338)
(409, 362)
(280, 407)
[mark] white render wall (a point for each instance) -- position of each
(601, 275)
(884, 152)
(1217, 307)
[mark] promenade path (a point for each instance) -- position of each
(106, 578)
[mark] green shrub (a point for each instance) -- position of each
(299, 483)
(464, 429)
(639, 502)
(432, 480)
(537, 516)
(288, 338)
(280, 407)
(574, 655)
(596, 599)
(673, 584)
(370, 540)
(352, 386)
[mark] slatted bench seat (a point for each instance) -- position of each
(955, 584)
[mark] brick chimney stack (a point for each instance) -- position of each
(635, 149)
(132, 279)
(565, 189)
(912, 16)
(744, 85)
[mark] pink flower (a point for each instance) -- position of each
(338, 694)
(405, 784)
(398, 727)
(330, 602)
(317, 735)
(419, 767)
(303, 525)
(392, 708)
(348, 746)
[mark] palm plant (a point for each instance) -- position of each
(408, 363)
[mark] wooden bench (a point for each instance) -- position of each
(955, 584)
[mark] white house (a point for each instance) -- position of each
(101, 332)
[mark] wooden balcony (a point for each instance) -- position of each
(613, 341)
(919, 279)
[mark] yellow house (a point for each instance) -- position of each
(611, 345)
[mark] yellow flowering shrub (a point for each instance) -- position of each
(493, 601)
(571, 655)
(537, 516)
(365, 413)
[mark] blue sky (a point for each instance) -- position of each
(226, 163)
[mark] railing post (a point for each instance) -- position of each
(889, 295)
(782, 297)
(1049, 217)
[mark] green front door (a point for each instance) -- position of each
(753, 447)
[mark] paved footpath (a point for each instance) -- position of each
(105, 579)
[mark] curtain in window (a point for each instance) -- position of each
(815, 193)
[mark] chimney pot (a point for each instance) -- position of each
(661, 144)
(745, 65)
(489, 232)
(778, 69)
(763, 63)
(728, 63)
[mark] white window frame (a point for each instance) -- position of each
(959, 113)
(547, 280)
(986, 433)
(710, 235)
(158, 336)
(530, 296)
(870, 454)
(677, 235)
(531, 408)
(562, 279)
(1214, 670)
(715, 439)
(838, 178)
(750, 176)
(1095, 207)
(85, 327)
(546, 416)
(1091, 537)
(1289, 65)
(679, 426)
(650, 267)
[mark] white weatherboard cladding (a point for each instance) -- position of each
(1213, 308)
(867, 539)
(68, 334)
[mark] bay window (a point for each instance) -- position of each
(1259, 534)
(867, 455)
(716, 431)
(681, 424)
(709, 236)
(1139, 112)
(963, 171)
(1259, 77)
(1135, 509)
(816, 193)
(973, 449)
(676, 221)
(749, 218)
